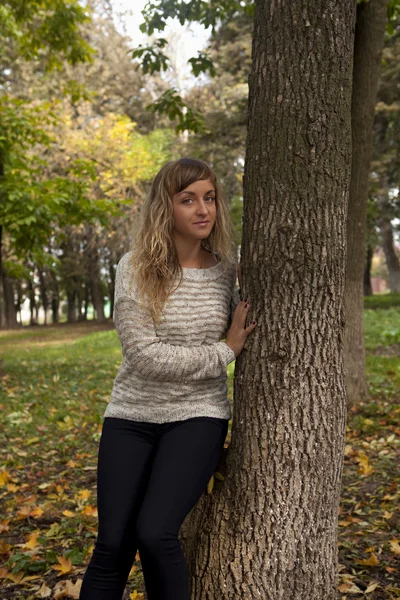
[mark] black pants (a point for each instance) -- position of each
(149, 477)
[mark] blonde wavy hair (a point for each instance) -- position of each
(154, 258)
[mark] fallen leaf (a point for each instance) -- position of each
(394, 546)
(350, 588)
(4, 547)
(371, 588)
(32, 541)
(4, 477)
(67, 589)
(43, 591)
(83, 494)
(372, 561)
(90, 511)
(64, 566)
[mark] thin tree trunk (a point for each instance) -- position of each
(9, 301)
(269, 530)
(386, 234)
(71, 306)
(32, 302)
(86, 303)
(367, 272)
(369, 36)
(55, 296)
(111, 286)
(43, 292)
(92, 258)
(3, 320)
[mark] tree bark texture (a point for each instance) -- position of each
(369, 36)
(269, 530)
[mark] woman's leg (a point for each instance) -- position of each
(187, 455)
(124, 463)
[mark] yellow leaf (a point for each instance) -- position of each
(4, 477)
(219, 476)
(136, 596)
(372, 561)
(68, 513)
(344, 523)
(371, 588)
(349, 451)
(133, 570)
(4, 547)
(210, 485)
(387, 515)
(43, 591)
(394, 546)
(64, 566)
(83, 494)
(11, 487)
(67, 589)
(90, 511)
(4, 525)
(16, 577)
(350, 588)
(364, 467)
(36, 512)
(32, 541)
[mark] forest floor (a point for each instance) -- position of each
(54, 386)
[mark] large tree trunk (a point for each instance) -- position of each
(369, 36)
(269, 531)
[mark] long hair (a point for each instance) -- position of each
(155, 262)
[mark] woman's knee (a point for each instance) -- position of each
(108, 553)
(153, 538)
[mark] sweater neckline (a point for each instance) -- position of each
(206, 274)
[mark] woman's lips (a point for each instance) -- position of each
(201, 223)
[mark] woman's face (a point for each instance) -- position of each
(194, 204)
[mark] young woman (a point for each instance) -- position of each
(166, 422)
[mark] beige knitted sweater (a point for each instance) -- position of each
(176, 370)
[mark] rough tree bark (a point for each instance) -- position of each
(269, 530)
(369, 37)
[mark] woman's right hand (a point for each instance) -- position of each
(237, 333)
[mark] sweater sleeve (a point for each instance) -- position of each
(151, 357)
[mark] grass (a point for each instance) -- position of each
(55, 386)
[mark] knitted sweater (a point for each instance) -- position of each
(177, 369)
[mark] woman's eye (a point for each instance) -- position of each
(208, 198)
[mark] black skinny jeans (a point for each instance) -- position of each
(149, 477)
